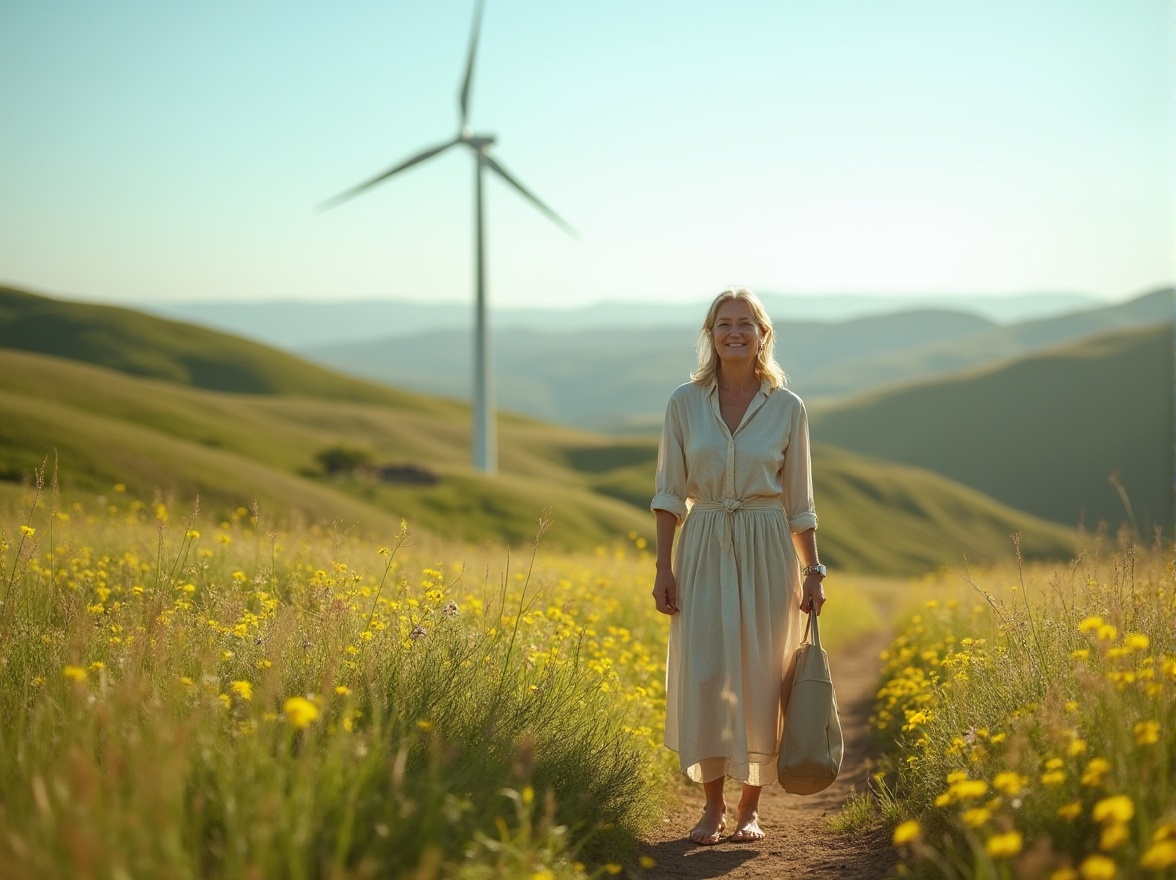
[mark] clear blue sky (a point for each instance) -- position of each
(167, 151)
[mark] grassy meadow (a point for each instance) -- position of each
(186, 695)
(1029, 720)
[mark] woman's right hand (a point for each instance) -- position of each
(665, 591)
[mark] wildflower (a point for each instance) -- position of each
(1010, 783)
(27, 531)
(1072, 705)
(97, 666)
(1090, 624)
(1114, 809)
(243, 689)
(1107, 633)
(1004, 845)
(1053, 777)
(613, 868)
(1064, 874)
(647, 862)
(343, 690)
(1081, 654)
(1097, 868)
(1159, 855)
(300, 712)
(1113, 836)
(908, 832)
(976, 816)
(425, 725)
(192, 534)
(1070, 811)
(1147, 733)
(74, 673)
(1076, 747)
(1136, 641)
(1094, 772)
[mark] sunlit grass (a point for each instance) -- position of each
(189, 696)
(1031, 719)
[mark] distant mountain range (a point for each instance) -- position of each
(617, 379)
(299, 325)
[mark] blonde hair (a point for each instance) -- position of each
(765, 359)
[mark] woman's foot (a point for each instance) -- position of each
(747, 827)
(710, 827)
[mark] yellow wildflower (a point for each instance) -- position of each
(1097, 868)
(74, 673)
(1107, 633)
(908, 832)
(970, 788)
(1159, 856)
(1076, 747)
(1095, 770)
(1090, 624)
(1004, 845)
(1119, 808)
(343, 690)
(27, 531)
(1113, 836)
(613, 868)
(976, 816)
(243, 689)
(1064, 874)
(1147, 733)
(1053, 777)
(1009, 783)
(1136, 641)
(300, 711)
(647, 862)
(1070, 811)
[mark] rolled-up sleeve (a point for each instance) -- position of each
(670, 483)
(796, 477)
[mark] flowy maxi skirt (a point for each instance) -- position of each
(739, 623)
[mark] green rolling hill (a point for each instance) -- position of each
(162, 436)
(1042, 433)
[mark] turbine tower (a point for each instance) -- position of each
(485, 451)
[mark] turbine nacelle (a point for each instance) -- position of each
(478, 142)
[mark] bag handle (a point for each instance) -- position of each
(812, 631)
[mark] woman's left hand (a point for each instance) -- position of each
(813, 594)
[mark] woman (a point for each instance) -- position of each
(733, 471)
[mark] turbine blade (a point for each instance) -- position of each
(395, 169)
(505, 175)
(464, 100)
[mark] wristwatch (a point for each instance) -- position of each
(817, 568)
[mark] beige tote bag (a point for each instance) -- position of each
(811, 748)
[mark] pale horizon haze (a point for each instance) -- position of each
(165, 153)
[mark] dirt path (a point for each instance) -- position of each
(799, 843)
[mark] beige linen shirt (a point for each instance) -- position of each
(766, 459)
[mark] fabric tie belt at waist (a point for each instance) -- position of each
(731, 506)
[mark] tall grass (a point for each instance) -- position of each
(1031, 719)
(182, 699)
(187, 697)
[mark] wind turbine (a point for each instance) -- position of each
(485, 452)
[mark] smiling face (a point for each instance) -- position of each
(736, 334)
